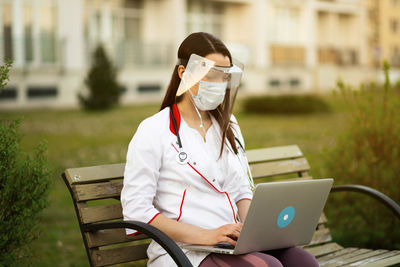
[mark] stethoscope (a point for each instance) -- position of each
(246, 169)
(182, 157)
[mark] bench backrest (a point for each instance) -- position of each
(96, 191)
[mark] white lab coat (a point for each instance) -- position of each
(201, 192)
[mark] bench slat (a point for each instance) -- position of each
(266, 169)
(116, 236)
(286, 179)
(273, 153)
(385, 259)
(323, 249)
(343, 259)
(116, 171)
(324, 259)
(95, 173)
(119, 255)
(85, 192)
(110, 237)
(321, 236)
(114, 211)
(367, 255)
(101, 213)
(322, 219)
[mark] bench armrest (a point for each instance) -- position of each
(161, 238)
(387, 201)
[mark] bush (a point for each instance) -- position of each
(104, 90)
(368, 153)
(397, 85)
(24, 184)
(4, 71)
(285, 104)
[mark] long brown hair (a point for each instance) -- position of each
(203, 44)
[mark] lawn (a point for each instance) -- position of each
(77, 138)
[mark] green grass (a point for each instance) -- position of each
(75, 138)
(78, 138)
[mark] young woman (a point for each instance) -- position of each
(185, 173)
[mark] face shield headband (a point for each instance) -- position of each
(202, 69)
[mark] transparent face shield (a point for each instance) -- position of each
(202, 69)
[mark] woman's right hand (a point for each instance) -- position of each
(190, 234)
(227, 233)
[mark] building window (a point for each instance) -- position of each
(286, 27)
(124, 21)
(346, 57)
(35, 37)
(10, 93)
(7, 31)
(119, 28)
(205, 16)
(395, 57)
(129, 49)
(28, 37)
(47, 34)
(394, 25)
(294, 83)
(149, 88)
(41, 92)
(274, 83)
(283, 54)
(130, 20)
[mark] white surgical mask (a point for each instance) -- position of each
(210, 95)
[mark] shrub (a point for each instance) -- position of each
(4, 71)
(368, 153)
(104, 90)
(24, 184)
(285, 104)
(397, 85)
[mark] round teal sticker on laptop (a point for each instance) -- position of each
(285, 217)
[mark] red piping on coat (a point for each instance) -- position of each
(204, 178)
(234, 216)
(138, 233)
(177, 117)
(227, 195)
(180, 209)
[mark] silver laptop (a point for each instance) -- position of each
(281, 215)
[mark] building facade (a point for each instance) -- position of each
(287, 46)
(384, 32)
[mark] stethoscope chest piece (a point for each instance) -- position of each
(182, 158)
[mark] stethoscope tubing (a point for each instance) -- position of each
(182, 156)
(175, 127)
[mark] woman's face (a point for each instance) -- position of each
(220, 61)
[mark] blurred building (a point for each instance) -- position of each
(384, 32)
(287, 46)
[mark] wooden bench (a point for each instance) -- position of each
(95, 192)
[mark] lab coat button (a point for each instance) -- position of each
(213, 180)
(194, 162)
